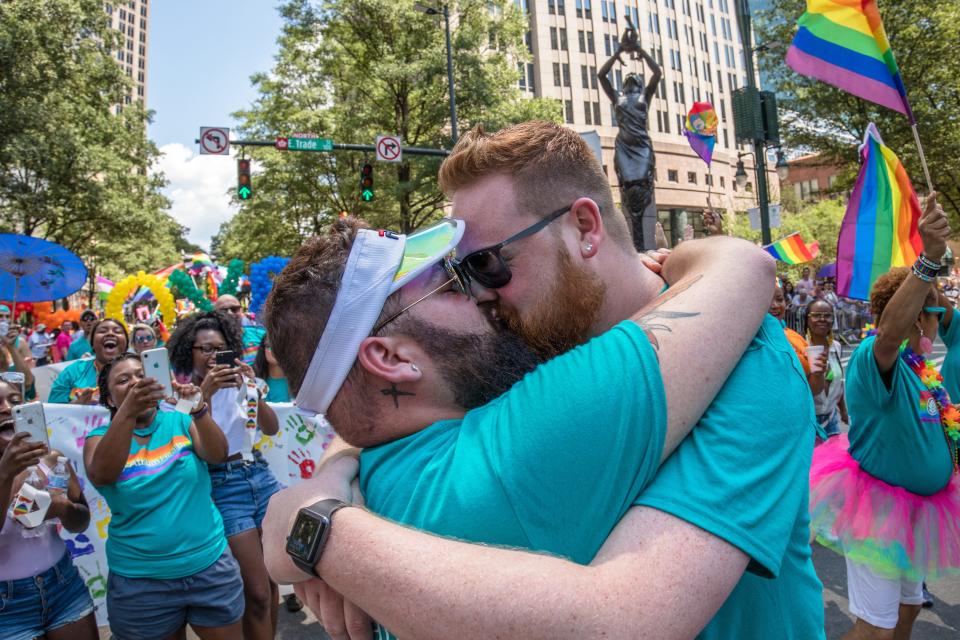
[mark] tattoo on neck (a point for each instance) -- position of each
(396, 393)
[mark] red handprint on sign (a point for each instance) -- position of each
(303, 460)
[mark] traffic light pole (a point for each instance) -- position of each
(759, 146)
(413, 151)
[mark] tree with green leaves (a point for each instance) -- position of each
(350, 70)
(74, 157)
(923, 36)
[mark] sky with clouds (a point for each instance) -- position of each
(200, 59)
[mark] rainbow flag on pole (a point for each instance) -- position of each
(793, 250)
(842, 42)
(879, 230)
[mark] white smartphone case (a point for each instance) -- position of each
(156, 364)
(29, 417)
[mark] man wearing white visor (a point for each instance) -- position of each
(400, 361)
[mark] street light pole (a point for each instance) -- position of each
(453, 97)
(432, 11)
(760, 152)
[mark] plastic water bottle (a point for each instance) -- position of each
(59, 480)
(35, 480)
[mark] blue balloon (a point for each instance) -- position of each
(261, 279)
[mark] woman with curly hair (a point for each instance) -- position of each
(243, 484)
(888, 498)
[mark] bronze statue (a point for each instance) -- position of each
(633, 157)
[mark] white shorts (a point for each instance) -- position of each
(877, 600)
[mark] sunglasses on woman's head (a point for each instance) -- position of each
(487, 267)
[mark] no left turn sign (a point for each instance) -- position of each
(214, 141)
(389, 149)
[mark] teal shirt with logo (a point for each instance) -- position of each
(552, 465)
(950, 369)
(163, 523)
(743, 475)
(895, 430)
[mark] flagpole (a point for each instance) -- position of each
(923, 158)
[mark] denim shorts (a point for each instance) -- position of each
(241, 491)
(144, 609)
(830, 423)
(30, 607)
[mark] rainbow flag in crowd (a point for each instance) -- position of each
(879, 230)
(163, 274)
(842, 43)
(104, 285)
(793, 250)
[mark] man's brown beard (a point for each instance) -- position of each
(563, 317)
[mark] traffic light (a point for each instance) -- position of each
(366, 182)
(244, 186)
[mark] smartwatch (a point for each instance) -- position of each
(310, 532)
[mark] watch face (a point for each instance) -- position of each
(305, 535)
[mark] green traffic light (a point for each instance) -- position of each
(366, 195)
(244, 193)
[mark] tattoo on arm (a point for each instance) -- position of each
(396, 393)
(652, 313)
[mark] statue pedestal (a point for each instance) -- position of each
(642, 222)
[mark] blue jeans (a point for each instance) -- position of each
(30, 607)
(830, 422)
(241, 491)
(143, 608)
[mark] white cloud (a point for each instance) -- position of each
(198, 189)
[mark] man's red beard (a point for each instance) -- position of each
(564, 316)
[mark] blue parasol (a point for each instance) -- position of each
(36, 270)
(828, 271)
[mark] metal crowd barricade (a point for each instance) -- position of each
(794, 319)
(850, 317)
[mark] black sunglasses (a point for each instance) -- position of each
(487, 267)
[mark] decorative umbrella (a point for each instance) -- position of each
(36, 270)
(828, 271)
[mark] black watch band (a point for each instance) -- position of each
(310, 531)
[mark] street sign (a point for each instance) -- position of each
(282, 143)
(305, 144)
(214, 141)
(389, 149)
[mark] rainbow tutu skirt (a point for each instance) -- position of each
(898, 534)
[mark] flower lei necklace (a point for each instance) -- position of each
(933, 381)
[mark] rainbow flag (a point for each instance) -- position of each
(701, 130)
(793, 250)
(879, 230)
(842, 42)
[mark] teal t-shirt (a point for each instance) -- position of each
(252, 339)
(79, 348)
(950, 369)
(743, 476)
(895, 432)
(278, 390)
(164, 524)
(551, 465)
(75, 378)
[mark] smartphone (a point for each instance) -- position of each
(29, 417)
(227, 357)
(15, 377)
(156, 364)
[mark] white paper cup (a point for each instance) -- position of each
(813, 355)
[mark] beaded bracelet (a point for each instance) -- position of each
(923, 276)
(201, 412)
(928, 262)
(924, 267)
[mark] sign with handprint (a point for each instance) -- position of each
(293, 455)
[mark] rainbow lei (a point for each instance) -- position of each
(933, 381)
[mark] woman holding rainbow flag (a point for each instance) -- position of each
(889, 498)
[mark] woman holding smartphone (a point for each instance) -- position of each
(243, 484)
(169, 562)
(41, 592)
